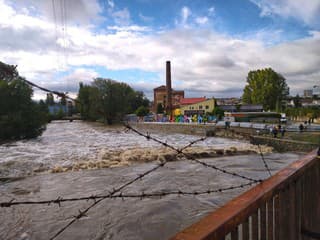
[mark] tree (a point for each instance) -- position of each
(265, 87)
(142, 111)
(108, 100)
(297, 101)
(218, 112)
(50, 99)
(138, 99)
(160, 108)
(89, 102)
(20, 117)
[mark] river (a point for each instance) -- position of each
(26, 166)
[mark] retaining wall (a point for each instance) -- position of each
(284, 145)
(186, 128)
(242, 133)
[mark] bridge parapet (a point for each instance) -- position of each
(285, 206)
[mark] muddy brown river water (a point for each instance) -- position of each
(25, 168)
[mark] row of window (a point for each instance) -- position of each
(200, 107)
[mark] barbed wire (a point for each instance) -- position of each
(111, 193)
(59, 94)
(117, 192)
(193, 142)
(189, 156)
(264, 161)
(123, 196)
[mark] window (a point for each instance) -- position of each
(207, 107)
(200, 107)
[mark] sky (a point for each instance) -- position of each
(212, 44)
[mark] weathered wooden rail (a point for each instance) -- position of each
(284, 207)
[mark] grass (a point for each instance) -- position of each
(312, 137)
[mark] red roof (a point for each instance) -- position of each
(187, 101)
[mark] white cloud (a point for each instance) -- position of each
(185, 13)
(203, 62)
(85, 75)
(122, 17)
(201, 20)
(131, 28)
(74, 11)
(211, 11)
(306, 11)
(145, 18)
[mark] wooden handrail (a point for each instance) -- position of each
(227, 218)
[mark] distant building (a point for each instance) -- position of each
(228, 101)
(160, 96)
(263, 117)
(199, 108)
(165, 95)
(307, 93)
(188, 101)
(242, 108)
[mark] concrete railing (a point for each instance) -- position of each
(284, 207)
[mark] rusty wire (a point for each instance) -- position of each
(189, 156)
(116, 192)
(264, 161)
(111, 193)
(59, 94)
(123, 196)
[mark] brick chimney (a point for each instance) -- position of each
(168, 88)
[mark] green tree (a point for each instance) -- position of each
(20, 117)
(297, 101)
(142, 111)
(115, 98)
(108, 100)
(265, 87)
(89, 102)
(50, 99)
(218, 112)
(160, 108)
(138, 99)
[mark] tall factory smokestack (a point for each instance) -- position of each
(168, 88)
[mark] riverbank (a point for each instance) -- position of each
(255, 133)
(74, 146)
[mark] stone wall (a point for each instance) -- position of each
(197, 129)
(185, 128)
(281, 145)
(284, 145)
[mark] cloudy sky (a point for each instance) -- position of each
(212, 44)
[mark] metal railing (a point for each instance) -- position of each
(284, 207)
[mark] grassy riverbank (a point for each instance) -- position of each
(312, 137)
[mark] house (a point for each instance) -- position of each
(199, 107)
(188, 101)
